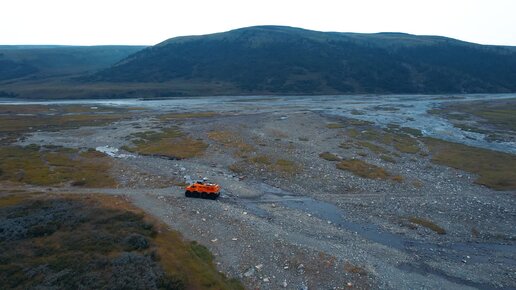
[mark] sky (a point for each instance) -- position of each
(147, 22)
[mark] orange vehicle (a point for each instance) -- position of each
(203, 190)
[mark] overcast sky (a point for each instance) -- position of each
(91, 22)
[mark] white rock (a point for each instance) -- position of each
(249, 272)
(214, 240)
(266, 280)
(259, 266)
(234, 239)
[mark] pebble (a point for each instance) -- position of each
(249, 272)
(284, 284)
(301, 268)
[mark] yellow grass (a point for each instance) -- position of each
(37, 166)
(363, 169)
(329, 156)
(171, 143)
(428, 224)
(494, 169)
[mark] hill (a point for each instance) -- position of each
(42, 61)
(286, 60)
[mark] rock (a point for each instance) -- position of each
(259, 267)
(266, 280)
(301, 268)
(214, 240)
(182, 169)
(303, 287)
(234, 239)
(284, 284)
(349, 284)
(250, 272)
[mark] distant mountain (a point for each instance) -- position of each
(41, 61)
(286, 60)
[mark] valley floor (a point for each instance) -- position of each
(311, 199)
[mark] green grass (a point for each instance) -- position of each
(372, 147)
(170, 143)
(412, 131)
(388, 158)
(401, 142)
(285, 166)
(231, 140)
(500, 114)
(352, 132)
(494, 169)
(335, 125)
(40, 166)
(86, 242)
(261, 159)
(329, 156)
(282, 167)
(428, 224)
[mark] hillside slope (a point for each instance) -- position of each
(44, 61)
(286, 60)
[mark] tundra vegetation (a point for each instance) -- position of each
(94, 242)
(55, 166)
(170, 143)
